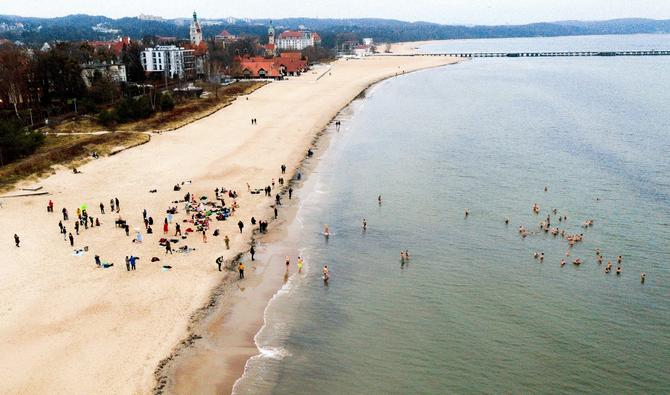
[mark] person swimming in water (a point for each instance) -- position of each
(299, 264)
(326, 274)
(379, 199)
(326, 230)
(365, 224)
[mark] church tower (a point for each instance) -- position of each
(271, 34)
(196, 32)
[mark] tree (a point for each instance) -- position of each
(13, 75)
(16, 141)
(131, 57)
(167, 102)
(103, 88)
(59, 75)
(316, 54)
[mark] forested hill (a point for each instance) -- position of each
(86, 27)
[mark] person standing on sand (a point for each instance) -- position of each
(71, 239)
(240, 268)
(227, 241)
(168, 247)
(278, 199)
(127, 263)
(102, 208)
(76, 227)
(290, 193)
(133, 258)
(17, 241)
(165, 226)
(240, 225)
(252, 251)
(276, 212)
(65, 216)
(283, 169)
(204, 235)
(118, 206)
(177, 230)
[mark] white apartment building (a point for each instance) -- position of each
(297, 40)
(170, 59)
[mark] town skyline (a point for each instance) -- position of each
(478, 12)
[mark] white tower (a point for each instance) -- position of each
(196, 32)
(271, 34)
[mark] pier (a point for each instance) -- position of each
(545, 54)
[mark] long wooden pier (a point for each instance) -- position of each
(545, 54)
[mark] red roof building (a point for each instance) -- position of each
(288, 64)
(115, 46)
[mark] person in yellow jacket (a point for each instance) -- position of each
(240, 268)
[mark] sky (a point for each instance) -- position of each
(440, 11)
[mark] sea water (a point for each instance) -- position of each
(472, 311)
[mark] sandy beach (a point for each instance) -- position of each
(67, 326)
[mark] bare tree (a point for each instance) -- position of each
(13, 74)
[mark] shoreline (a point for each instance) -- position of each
(112, 329)
(276, 234)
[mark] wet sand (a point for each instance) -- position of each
(67, 326)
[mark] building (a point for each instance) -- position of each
(144, 17)
(271, 34)
(287, 64)
(362, 50)
(292, 63)
(297, 40)
(115, 46)
(115, 71)
(368, 41)
(166, 40)
(224, 38)
(170, 59)
(195, 31)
